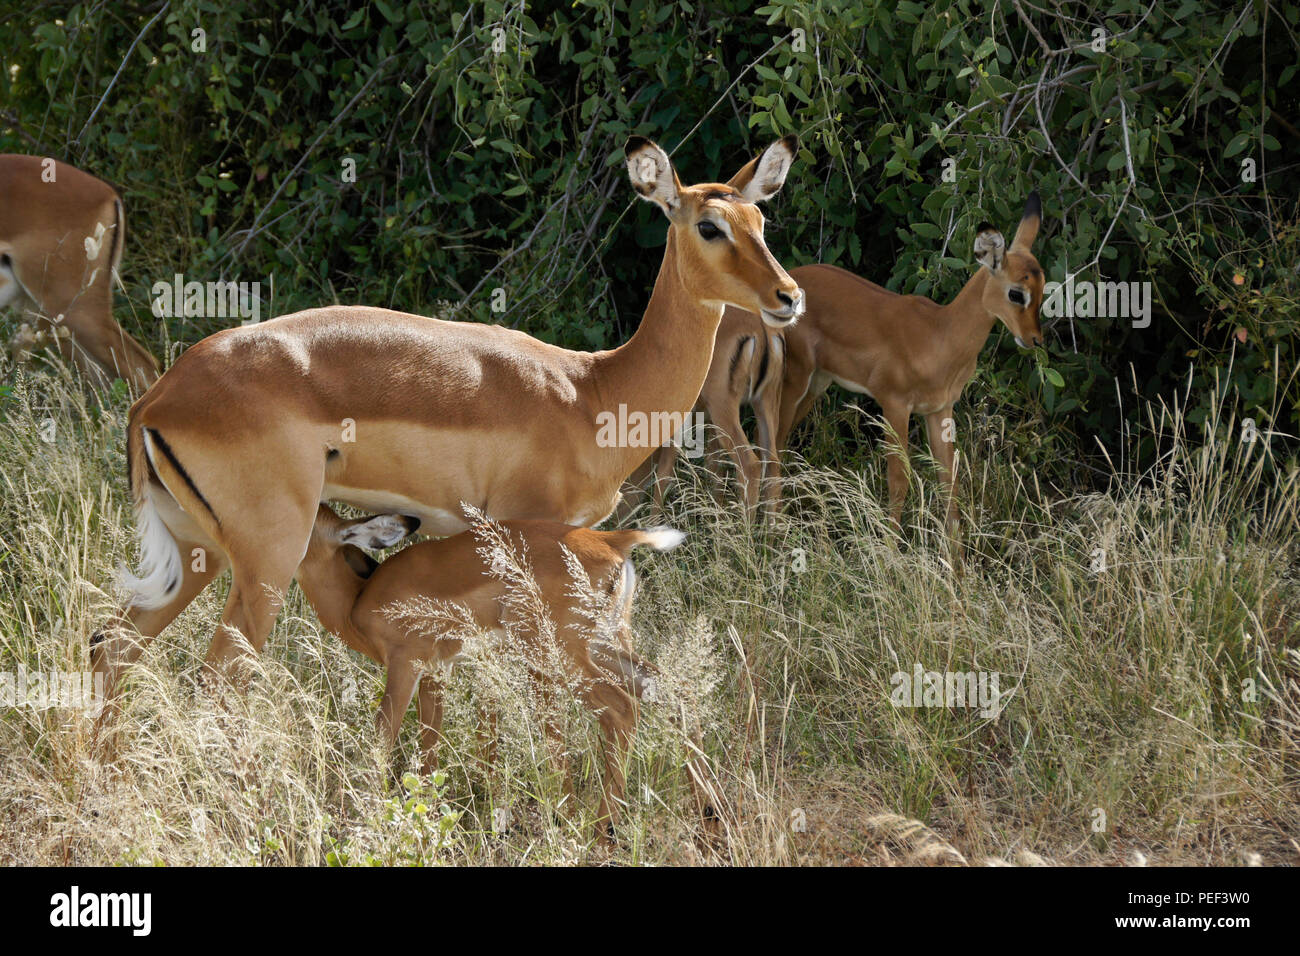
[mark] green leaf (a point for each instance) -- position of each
(1237, 144)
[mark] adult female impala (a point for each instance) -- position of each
(910, 354)
(231, 451)
(411, 614)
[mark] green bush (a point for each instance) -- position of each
(487, 156)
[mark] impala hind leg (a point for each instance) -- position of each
(798, 393)
(749, 469)
(429, 710)
(398, 690)
(117, 645)
(262, 570)
(617, 714)
(637, 677)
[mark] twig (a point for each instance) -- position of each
(252, 230)
(113, 82)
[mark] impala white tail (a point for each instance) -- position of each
(664, 538)
(160, 572)
(159, 577)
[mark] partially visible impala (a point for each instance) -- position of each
(910, 354)
(231, 452)
(413, 612)
(748, 362)
(61, 235)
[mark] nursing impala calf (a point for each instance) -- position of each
(61, 235)
(232, 450)
(909, 353)
(367, 605)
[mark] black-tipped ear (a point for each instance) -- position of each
(764, 175)
(1027, 231)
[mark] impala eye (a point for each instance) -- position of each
(708, 230)
(1016, 296)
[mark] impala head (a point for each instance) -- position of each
(718, 230)
(346, 537)
(1014, 291)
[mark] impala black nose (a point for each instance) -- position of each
(786, 300)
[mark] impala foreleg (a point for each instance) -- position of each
(634, 491)
(553, 726)
(897, 418)
(941, 429)
(767, 413)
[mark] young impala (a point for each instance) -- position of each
(910, 354)
(61, 235)
(748, 362)
(231, 451)
(368, 606)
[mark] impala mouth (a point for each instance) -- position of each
(783, 318)
(779, 320)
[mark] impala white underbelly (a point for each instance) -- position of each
(434, 522)
(851, 386)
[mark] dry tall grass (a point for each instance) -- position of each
(1124, 730)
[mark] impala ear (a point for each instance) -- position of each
(1029, 223)
(990, 247)
(377, 533)
(652, 174)
(762, 177)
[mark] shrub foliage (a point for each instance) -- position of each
(486, 143)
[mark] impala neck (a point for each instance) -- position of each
(332, 589)
(663, 366)
(968, 322)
